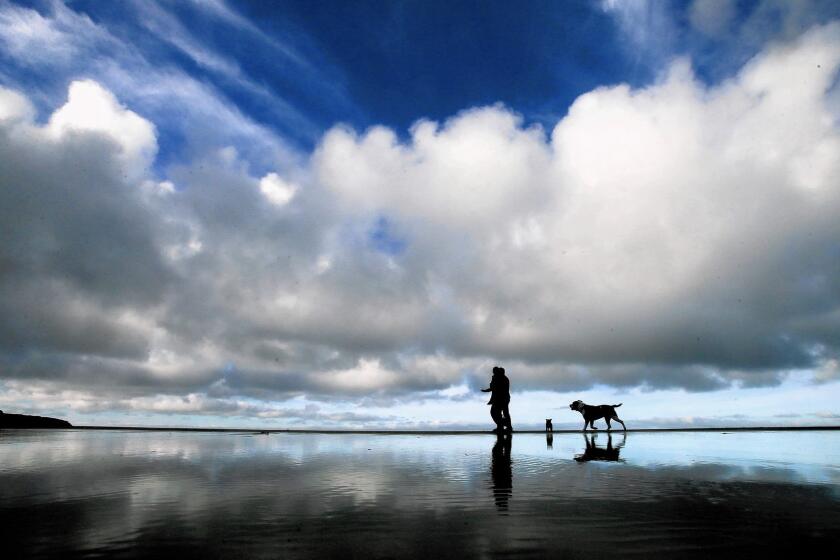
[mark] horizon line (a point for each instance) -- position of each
(453, 432)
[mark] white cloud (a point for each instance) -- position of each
(90, 107)
(368, 375)
(15, 106)
(828, 371)
(646, 25)
(26, 33)
(654, 209)
(276, 190)
(669, 236)
(168, 28)
(479, 166)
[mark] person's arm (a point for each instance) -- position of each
(491, 387)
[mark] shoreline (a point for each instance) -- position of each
(448, 432)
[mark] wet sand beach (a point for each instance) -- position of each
(133, 493)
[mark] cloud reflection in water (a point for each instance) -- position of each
(302, 495)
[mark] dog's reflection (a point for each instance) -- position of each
(549, 440)
(595, 453)
(501, 471)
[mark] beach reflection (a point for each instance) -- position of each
(595, 453)
(502, 471)
(121, 494)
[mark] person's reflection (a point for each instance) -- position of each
(549, 440)
(595, 453)
(501, 471)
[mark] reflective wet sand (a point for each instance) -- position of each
(131, 494)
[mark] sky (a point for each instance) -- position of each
(344, 214)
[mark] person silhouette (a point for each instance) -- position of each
(499, 400)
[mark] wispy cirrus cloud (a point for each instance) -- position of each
(58, 44)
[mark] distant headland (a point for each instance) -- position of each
(26, 421)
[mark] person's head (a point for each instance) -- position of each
(498, 370)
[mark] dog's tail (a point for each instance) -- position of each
(617, 405)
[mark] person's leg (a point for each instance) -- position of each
(496, 415)
(507, 418)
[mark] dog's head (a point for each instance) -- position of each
(577, 405)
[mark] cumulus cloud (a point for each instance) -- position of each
(80, 250)
(673, 236)
(90, 107)
(276, 190)
(15, 106)
(655, 225)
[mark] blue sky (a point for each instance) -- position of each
(372, 63)
(343, 214)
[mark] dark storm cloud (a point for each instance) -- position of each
(79, 247)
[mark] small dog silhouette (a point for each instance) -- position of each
(548, 426)
(594, 412)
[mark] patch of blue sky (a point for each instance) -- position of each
(407, 60)
(383, 237)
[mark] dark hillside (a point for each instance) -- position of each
(26, 421)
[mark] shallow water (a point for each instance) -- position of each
(117, 494)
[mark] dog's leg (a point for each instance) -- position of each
(623, 440)
(617, 419)
(607, 420)
(592, 424)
